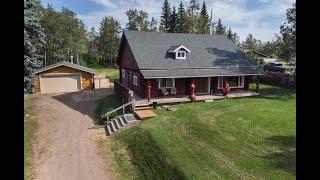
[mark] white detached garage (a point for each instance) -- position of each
(63, 77)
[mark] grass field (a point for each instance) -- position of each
(110, 72)
(30, 127)
(245, 138)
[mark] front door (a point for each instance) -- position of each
(201, 85)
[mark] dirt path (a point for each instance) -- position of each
(66, 147)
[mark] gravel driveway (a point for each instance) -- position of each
(66, 147)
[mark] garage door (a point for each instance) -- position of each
(60, 83)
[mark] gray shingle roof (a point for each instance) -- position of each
(150, 50)
(65, 63)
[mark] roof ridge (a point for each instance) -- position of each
(174, 33)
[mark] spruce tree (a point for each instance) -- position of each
(229, 34)
(204, 20)
(33, 35)
(182, 25)
(153, 25)
(220, 28)
(165, 17)
(173, 20)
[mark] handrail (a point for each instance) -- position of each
(118, 108)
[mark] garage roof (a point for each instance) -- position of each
(65, 63)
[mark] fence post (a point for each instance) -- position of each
(123, 109)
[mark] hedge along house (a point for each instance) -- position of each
(154, 64)
(63, 77)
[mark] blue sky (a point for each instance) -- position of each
(261, 18)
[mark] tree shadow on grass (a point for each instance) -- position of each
(285, 159)
(148, 157)
(277, 93)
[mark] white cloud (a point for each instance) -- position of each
(106, 3)
(262, 22)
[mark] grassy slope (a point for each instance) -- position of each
(248, 138)
(30, 127)
(110, 72)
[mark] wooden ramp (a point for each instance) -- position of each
(142, 114)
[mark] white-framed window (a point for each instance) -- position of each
(181, 55)
(220, 82)
(167, 83)
(123, 73)
(135, 80)
(236, 81)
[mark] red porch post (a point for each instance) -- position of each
(148, 90)
(257, 85)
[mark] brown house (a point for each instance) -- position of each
(63, 77)
(168, 64)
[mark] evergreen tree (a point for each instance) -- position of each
(165, 17)
(220, 28)
(193, 15)
(153, 25)
(173, 20)
(33, 35)
(204, 20)
(229, 34)
(182, 25)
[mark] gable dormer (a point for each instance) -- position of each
(178, 52)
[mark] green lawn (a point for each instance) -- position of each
(30, 127)
(110, 72)
(245, 138)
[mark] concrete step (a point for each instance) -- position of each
(131, 118)
(123, 120)
(118, 124)
(110, 130)
(114, 126)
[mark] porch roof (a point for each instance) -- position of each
(205, 72)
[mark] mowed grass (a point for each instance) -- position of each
(109, 71)
(244, 138)
(30, 128)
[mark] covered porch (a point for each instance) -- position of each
(176, 90)
(184, 98)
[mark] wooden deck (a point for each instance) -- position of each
(181, 99)
(142, 114)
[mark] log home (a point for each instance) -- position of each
(154, 64)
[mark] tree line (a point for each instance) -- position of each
(283, 46)
(52, 36)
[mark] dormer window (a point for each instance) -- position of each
(178, 52)
(181, 55)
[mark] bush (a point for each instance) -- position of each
(279, 79)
